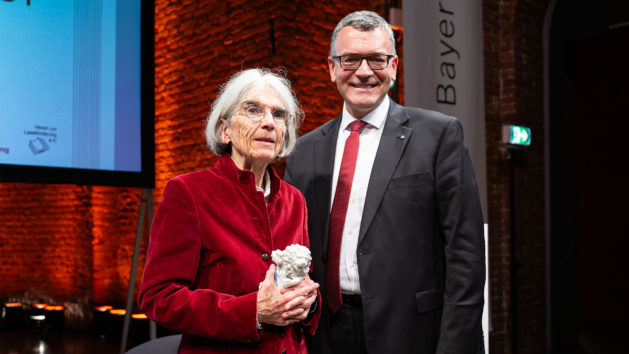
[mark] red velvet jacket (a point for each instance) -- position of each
(210, 246)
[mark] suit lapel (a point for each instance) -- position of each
(392, 144)
(325, 148)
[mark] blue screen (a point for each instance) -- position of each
(70, 84)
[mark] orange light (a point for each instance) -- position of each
(118, 312)
(13, 304)
(397, 28)
(139, 316)
(39, 306)
(102, 308)
(53, 308)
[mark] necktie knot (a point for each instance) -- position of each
(357, 125)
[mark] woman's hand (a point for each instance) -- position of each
(304, 295)
(284, 306)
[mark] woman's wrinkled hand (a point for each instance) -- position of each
(284, 306)
(304, 295)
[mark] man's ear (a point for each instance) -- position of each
(394, 63)
(331, 67)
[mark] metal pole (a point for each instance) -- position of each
(513, 254)
(152, 327)
(146, 196)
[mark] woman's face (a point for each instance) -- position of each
(256, 144)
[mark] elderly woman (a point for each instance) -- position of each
(208, 271)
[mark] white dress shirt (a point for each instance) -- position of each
(367, 148)
(266, 180)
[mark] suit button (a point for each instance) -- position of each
(265, 257)
(284, 351)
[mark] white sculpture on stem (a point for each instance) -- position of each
(293, 263)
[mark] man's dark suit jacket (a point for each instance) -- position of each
(421, 257)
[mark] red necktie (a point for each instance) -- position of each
(338, 214)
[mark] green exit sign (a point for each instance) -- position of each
(516, 135)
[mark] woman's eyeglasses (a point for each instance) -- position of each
(255, 112)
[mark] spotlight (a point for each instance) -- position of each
(139, 328)
(100, 319)
(38, 317)
(54, 318)
(12, 315)
(115, 321)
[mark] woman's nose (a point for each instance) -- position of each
(267, 119)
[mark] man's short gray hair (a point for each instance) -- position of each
(364, 21)
(231, 97)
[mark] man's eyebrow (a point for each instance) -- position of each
(358, 55)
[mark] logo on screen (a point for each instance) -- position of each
(28, 2)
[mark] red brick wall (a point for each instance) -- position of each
(45, 243)
(514, 95)
(114, 214)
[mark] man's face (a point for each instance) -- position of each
(362, 89)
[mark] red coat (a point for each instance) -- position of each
(210, 246)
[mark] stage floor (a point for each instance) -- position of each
(26, 341)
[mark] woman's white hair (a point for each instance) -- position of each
(231, 97)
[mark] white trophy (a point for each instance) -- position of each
(293, 263)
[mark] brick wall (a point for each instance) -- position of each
(514, 95)
(45, 244)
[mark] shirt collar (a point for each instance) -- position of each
(267, 185)
(374, 119)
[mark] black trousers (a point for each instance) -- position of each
(347, 331)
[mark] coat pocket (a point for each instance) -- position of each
(429, 300)
(407, 181)
(410, 191)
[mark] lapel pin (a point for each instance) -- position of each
(402, 137)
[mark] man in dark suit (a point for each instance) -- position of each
(395, 223)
